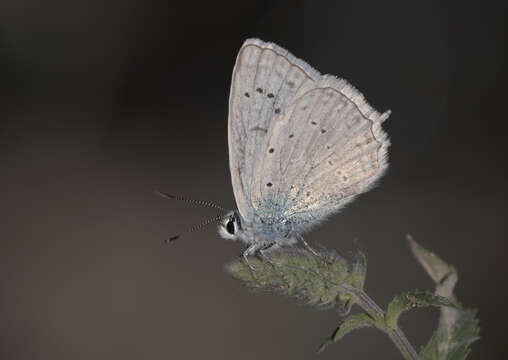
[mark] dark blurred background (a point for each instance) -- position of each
(101, 102)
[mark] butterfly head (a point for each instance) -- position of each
(258, 230)
(230, 227)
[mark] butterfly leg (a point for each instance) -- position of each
(260, 251)
(314, 252)
(263, 251)
(264, 256)
(251, 250)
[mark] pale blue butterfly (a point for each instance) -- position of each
(301, 146)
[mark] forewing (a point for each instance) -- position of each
(326, 148)
(266, 79)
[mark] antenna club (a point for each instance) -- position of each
(164, 195)
(191, 201)
(173, 238)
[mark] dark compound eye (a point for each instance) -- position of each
(230, 226)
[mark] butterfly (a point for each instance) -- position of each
(301, 146)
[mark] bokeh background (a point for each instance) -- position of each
(102, 102)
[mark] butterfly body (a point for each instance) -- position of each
(301, 146)
(262, 231)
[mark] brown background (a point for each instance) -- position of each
(101, 102)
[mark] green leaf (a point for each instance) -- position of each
(320, 280)
(433, 264)
(412, 300)
(356, 278)
(350, 323)
(458, 327)
(453, 343)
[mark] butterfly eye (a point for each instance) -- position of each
(230, 226)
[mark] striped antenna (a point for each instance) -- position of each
(190, 201)
(218, 217)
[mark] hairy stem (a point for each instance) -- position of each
(396, 335)
(323, 279)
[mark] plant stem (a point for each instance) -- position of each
(396, 334)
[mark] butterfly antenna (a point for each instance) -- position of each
(190, 201)
(218, 217)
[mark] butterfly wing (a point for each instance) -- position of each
(326, 148)
(301, 145)
(266, 79)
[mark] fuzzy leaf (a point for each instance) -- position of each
(412, 300)
(433, 264)
(458, 327)
(318, 280)
(350, 323)
(453, 343)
